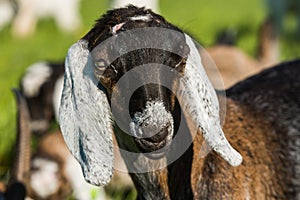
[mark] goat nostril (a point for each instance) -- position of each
(160, 136)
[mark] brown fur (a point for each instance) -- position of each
(248, 133)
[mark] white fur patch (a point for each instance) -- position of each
(65, 13)
(36, 75)
(44, 180)
(153, 118)
(145, 18)
(150, 4)
(6, 13)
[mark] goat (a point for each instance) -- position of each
(7, 12)
(66, 15)
(262, 120)
(42, 85)
(94, 112)
(233, 65)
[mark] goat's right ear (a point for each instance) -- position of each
(85, 116)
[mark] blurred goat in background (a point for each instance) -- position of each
(26, 13)
(233, 64)
(150, 4)
(65, 13)
(7, 11)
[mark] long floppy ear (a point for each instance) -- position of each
(200, 105)
(85, 117)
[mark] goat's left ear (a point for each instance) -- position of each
(200, 105)
(85, 117)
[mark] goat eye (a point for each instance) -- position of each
(100, 68)
(100, 65)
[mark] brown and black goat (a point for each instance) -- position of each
(121, 62)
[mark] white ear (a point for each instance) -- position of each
(85, 117)
(200, 105)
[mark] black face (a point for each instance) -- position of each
(153, 108)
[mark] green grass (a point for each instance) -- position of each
(203, 19)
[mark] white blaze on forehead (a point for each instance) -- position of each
(199, 102)
(145, 18)
(153, 118)
(149, 4)
(36, 75)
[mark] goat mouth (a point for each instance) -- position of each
(152, 129)
(153, 150)
(157, 145)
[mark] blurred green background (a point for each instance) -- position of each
(203, 19)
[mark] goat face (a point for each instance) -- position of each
(138, 72)
(153, 108)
